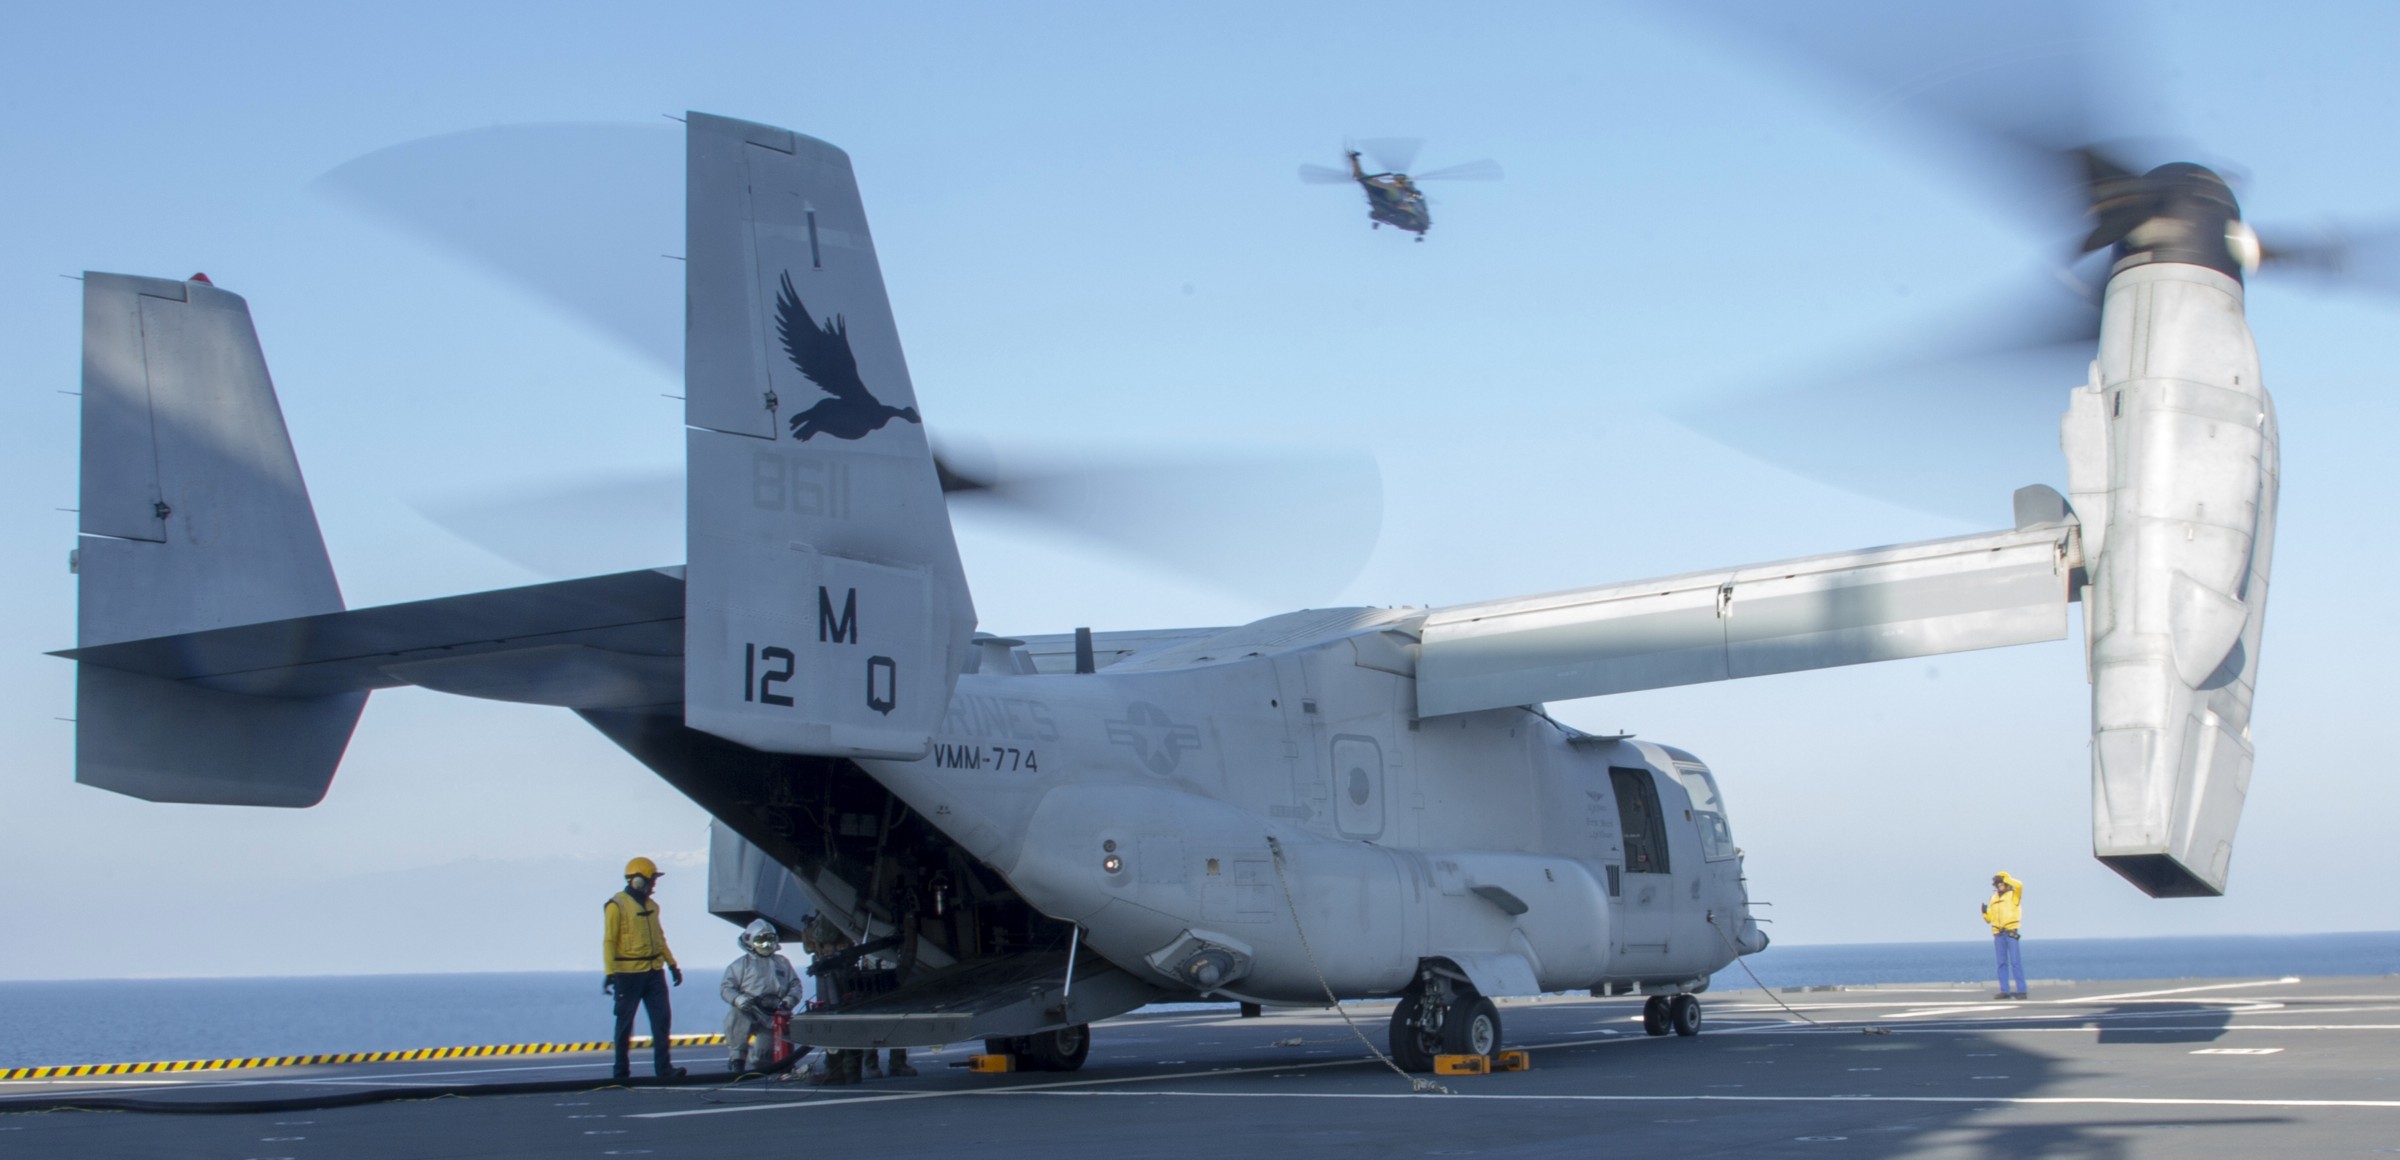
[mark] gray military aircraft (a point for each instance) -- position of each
(1049, 830)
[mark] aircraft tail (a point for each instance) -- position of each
(825, 609)
(194, 517)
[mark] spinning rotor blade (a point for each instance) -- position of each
(2032, 104)
(2010, 97)
(586, 216)
(1286, 529)
(572, 526)
(1325, 175)
(1281, 528)
(1949, 417)
(1393, 154)
(1483, 170)
(589, 216)
(2366, 260)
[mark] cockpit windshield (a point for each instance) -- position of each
(1708, 810)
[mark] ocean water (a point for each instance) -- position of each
(108, 1021)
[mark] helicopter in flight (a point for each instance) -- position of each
(1393, 198)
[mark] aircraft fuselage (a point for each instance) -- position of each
(1148, 802)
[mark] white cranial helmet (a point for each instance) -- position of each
(759, 938)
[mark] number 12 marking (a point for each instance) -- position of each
(760, 687)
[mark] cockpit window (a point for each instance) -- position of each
(1708, 811)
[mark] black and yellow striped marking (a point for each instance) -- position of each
(72, 1070)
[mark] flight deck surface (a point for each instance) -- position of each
(2188, 1068)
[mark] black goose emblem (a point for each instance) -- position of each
(822, 353)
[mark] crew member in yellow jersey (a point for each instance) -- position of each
(2005, 911)
(633, 947)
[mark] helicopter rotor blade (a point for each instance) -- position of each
(585, 216)
(1394, 154)
(1325, 175)
(1485, 169)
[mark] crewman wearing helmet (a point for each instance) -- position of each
(633, 949)
(2005, 911)
(757, 986)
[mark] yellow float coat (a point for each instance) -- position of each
(2004, 911)
(631, 940)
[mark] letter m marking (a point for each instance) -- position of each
(833, 629)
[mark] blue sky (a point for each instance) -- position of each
(1094, 238)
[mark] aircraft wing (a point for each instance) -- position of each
(1909, 600)
(613, 641)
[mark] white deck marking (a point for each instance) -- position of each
(1982, 1004)
(2121, 1101)
(2087, 1028)
(2284, 981)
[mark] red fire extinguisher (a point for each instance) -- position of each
(783, 1038)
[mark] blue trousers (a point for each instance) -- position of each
(2005, 949)
(646, 991)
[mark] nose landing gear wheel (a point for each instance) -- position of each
(1655, 1016)
(1413, 1047)
(1684, 1012)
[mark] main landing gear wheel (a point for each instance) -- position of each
(1684, 1012)
(1472, 1028)
(1061, 1050)
(1413, 1047)
(1655, 1017)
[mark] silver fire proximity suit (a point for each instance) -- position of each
(755, 987)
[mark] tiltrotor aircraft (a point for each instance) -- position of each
(1049, 830)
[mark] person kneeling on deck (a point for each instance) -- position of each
(633, 949)
(757, 987)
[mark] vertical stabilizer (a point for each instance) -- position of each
(194, 516)
(825, 608)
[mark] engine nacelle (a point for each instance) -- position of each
(2171, 455)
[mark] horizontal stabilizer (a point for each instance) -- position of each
(169, 741)
(599, 642)
(1939, 596)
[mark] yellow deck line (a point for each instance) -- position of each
(76, 1070)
